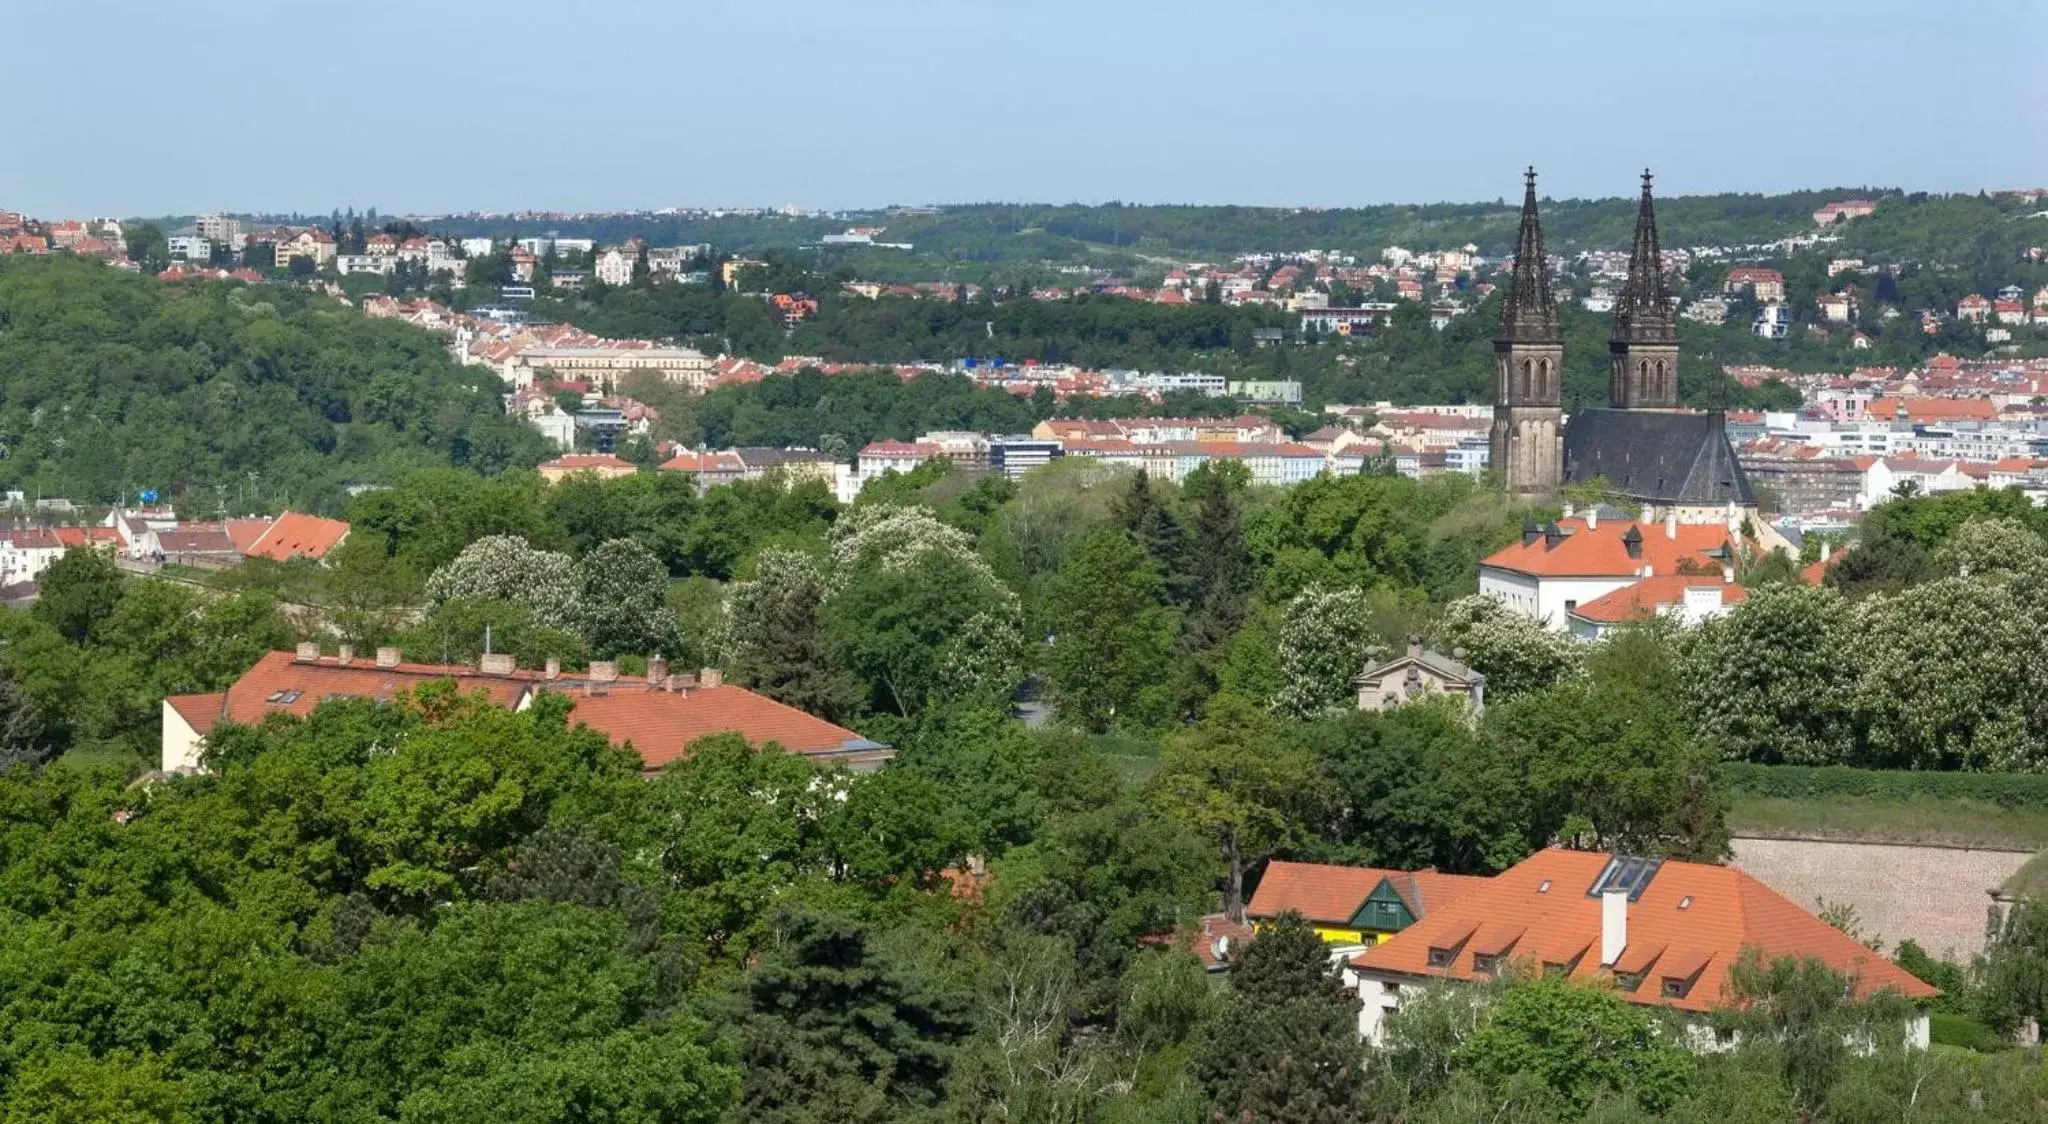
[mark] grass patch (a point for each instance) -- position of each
(1954, 822)
(100, 756)
(1134, 757)
(1963, 1033)
(2031, 880)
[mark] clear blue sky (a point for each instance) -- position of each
(152, 106)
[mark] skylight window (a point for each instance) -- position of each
(1626, 872)
(285, 697)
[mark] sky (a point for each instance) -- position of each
(146, 107)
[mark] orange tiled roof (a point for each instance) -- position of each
(1646, 598)
(658, 723)
(661, 723)
(574, 461)
(1692, 919)
(1601, 552)
(295, 535)
(1331, 895)
(1934, 409)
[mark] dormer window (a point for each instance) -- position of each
(1675, 988)
(1484, 963)
(1627, 981)
(1439, 957)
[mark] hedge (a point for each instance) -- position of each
(1884, 786)
(1958, 1030)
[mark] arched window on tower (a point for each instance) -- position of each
(1642, 379)
(1527, 366)
(1543, 387)
(1663, 390)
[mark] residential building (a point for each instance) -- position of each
(659, 716)
(297, 535)
(189, 248)
(1973, 309)
(1575, 561)
(1016, 454)
(602, 465)
(383, 265)
(1354, 907)
(1843, 211)
(1418, 674)
(1663, 933)
(614, 267)
(26, 552)
(710, 467)
(314, 244)
(1690, 599)
(1766, 285)
(221, 230)
(608, 364)
(1773, 322)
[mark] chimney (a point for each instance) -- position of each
(657, 671)
(1593, 518)
(604, 671)
(1825, 548)
(1613, 926)
(1568, 509)
(348, 654)
(1671, 524)
(387, 657)
(308, 652)
(496, 663)
(1414, 645)
(554, 668)
(711, 677)
(1728, 572)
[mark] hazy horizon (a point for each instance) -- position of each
(458, 106)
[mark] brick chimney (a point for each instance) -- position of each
(604, 671)
(348, 654)
(657, 670)
(308, 652)
(711, 677)
(387, 656)
(497, 663)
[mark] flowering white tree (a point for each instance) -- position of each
(1515, 653)
(1770, 681)
(506, 568)
(1324, 644)
(623, 595)
(892, 537)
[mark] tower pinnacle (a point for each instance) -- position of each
(1530, 315)
(1643, 347)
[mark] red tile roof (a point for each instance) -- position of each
(1600, 552)
(1646, 598)
(295, 535)
(1332, 895)
(658, 723)
(1691, 918)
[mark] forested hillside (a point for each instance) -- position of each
(224, 393)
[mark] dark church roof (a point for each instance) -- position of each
(1656, 456)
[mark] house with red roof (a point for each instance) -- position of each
(1353, 906)
(658, 715)
(604, 466)
(296, 535)
(1973, 308)
(1576, 563)
(1662, 933)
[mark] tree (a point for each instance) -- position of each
(1112, 645)
(1284, 1046)
(1813, 1017)
(1140, 512)
(147, 247)
(1516, 653)
(1326, 641)
(24, 737)
(1024, 1063)
(1770, 681)
(836, 1029)
(1580, 1041)
(77, 591)
(622, 599)
(1228, 781)
(506, 568)
(775, 639)
(1220, 565)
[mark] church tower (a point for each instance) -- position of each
(1644, 347)
(1528, 369)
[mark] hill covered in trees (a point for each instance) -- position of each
(224, 393)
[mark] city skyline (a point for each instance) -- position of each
(456, 107)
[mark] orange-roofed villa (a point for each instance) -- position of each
(1661, 932)
(1353, 906)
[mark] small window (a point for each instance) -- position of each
(1685, 902)
(1628, 981)
(1570, 604)
(1674, 988)
(1543, 887)
(1439, 957)
(1390, 987)
(1483, 963)
(283, 698)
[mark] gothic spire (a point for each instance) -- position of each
(1643, 314)
(1530, 315)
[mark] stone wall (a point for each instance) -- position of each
(1936, 896)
